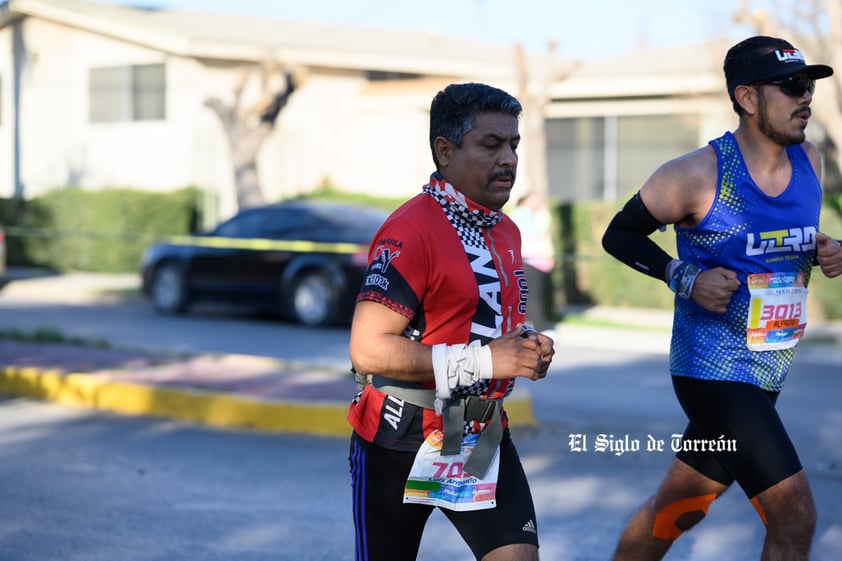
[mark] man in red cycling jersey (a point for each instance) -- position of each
(439, 333)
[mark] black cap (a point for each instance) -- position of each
(773, 65)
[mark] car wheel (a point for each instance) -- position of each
(168, 290)
(313, 300)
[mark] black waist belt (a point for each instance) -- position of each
(455, 412)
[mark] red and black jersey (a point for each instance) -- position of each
(454, 269)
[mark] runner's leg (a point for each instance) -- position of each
(681, 482)
(764, 462)
(507, 532)
(790, 519)
(385, 528)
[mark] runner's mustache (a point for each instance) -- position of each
(505, 173)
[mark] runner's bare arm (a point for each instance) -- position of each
(681, 192)
(378, 346)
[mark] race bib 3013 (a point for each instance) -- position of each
(777, 312)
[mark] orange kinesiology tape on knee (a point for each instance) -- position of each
(665, 526)
(759, 510)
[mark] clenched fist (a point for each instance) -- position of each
(713, 289)
(828, 255)
(514, 355)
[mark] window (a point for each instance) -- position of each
(575, 158)
(290, 224)
(247, 224)
(644, 143)
(127, 93)
(386, 76)
(608, 158)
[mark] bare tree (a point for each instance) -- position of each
(815, 27)
(533, 85)
(248, 127)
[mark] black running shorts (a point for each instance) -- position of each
(721, 413)
(386, 529)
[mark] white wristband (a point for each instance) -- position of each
(460, 365)
(478, 366)
(443, 388)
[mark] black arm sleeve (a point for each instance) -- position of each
(627, 239)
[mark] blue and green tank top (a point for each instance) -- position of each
(759, 237)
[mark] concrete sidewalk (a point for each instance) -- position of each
(259, 393)
(228, 391)
(221, 390)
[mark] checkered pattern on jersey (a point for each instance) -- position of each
(469, 224)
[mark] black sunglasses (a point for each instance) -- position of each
(793, 86)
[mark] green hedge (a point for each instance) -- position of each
(106, 231)
(588, 276)
(825, 300)
(103, 231)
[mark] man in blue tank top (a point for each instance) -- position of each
(745, 210)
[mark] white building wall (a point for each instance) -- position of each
(333, 129)
(338, 129)
(206, 156)
(59, 146)
(310, 140)
(7, 176)
(52, 109)
(390, 144)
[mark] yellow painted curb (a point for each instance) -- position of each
(209, 408)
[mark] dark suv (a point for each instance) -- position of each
(304, 259)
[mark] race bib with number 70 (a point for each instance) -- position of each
(442, 481)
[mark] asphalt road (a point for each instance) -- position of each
(131, 323)
(81, 485)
